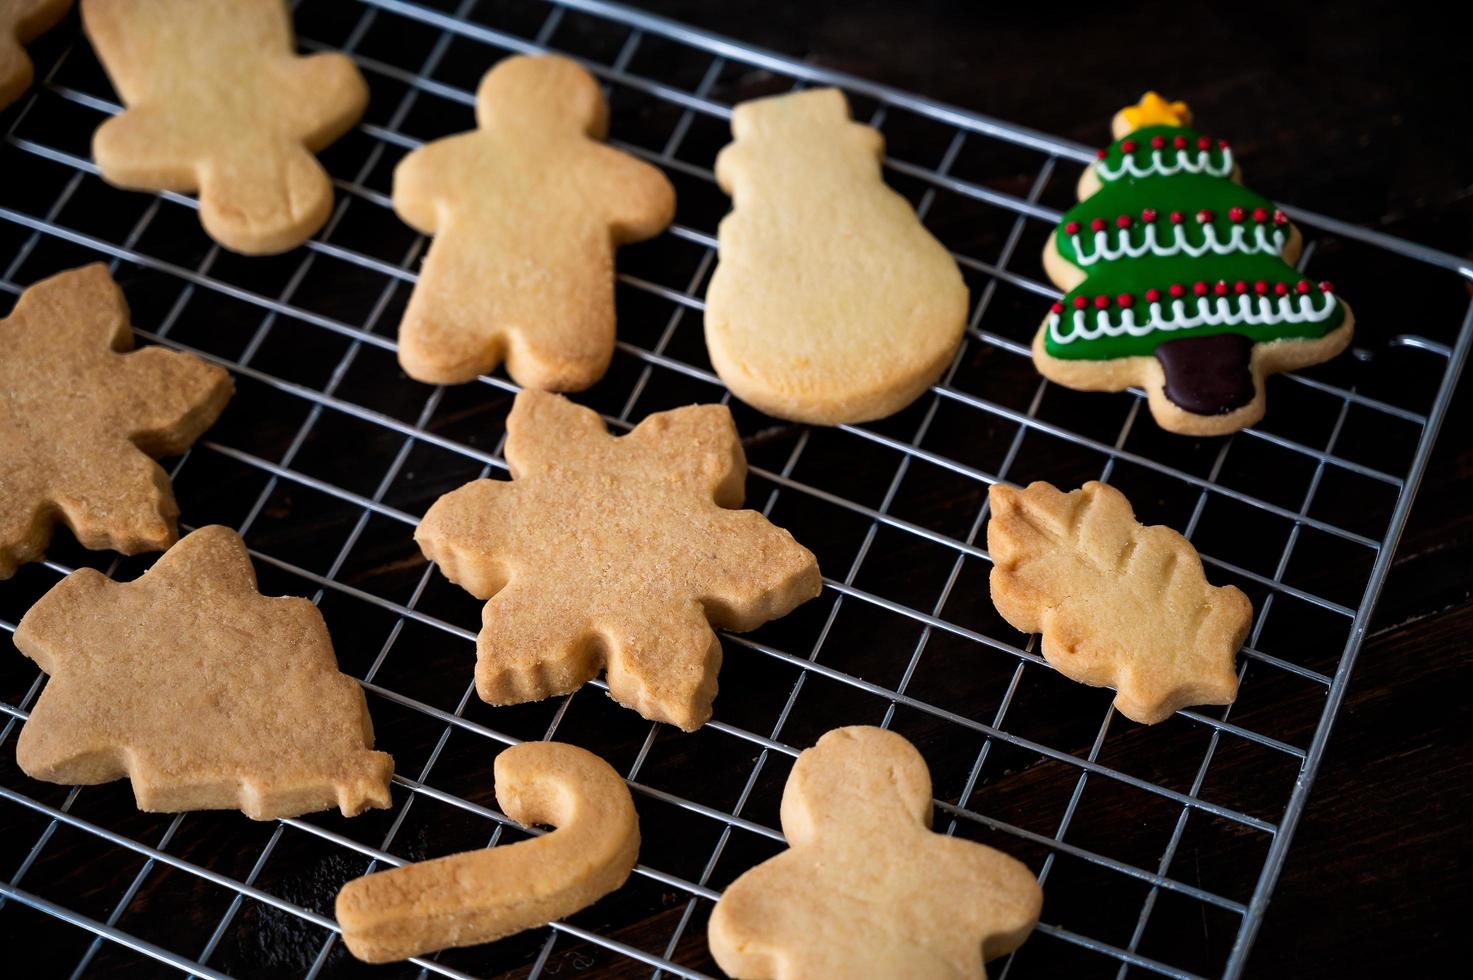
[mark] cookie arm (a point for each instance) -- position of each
(323, 96)
(638, 198)
(168, 398)
(420, 180)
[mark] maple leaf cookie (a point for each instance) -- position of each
(205, 693)
(80, 417)
(615, 552)
(865, 889)
(1119, 604)
(830, 302)
(217, 101)
(22, 21)
(526, 210)
(1180, 280)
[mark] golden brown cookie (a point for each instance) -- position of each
(865, 888)
(831, 302)
(478, 896)
(79, 418)
(615, 552)
(1119, 604)
(526, 210)
(219, 102)
(205, 693)
(21, 22)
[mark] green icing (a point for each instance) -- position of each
(1188, 193)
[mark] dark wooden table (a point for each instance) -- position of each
(1354, 113)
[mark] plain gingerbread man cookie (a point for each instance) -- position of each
(1119, 604)
(830, 302)
(865, 888)
(205, 693)
(80, 416)
(22, 21)
(615, 552)
(478, 896)
(526, 211)
(218, 101)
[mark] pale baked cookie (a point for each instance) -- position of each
(831, 302)
(526, 210)
(205, 693)
(218, 102)
(80, 417)
(21, 22)
(1180, 280)
(1119, 604)
(615, 552)
(866, 889)
(478, 896)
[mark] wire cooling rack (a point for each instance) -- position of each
(1158, 847)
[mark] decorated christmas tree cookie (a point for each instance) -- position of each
(1180, 280)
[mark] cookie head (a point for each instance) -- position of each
(544, 92)
(837, 782)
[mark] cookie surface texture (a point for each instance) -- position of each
(205, 693)
(80, 417)
(526, 211)
(21, 22)
(1119, 604)
(217, 101)
(615, 552)
(478, 896)
(830, 302)
(1180, 280)
(865, 888)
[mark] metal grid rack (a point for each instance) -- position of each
(327, 456)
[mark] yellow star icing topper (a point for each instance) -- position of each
(1153, 110)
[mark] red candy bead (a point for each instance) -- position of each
(1221, 288)
(1240, 287)
(1148, 215)
(1126, 301)
(1057, 308)
(1157, 142)
(1261, 288)
(1281, 289)
(1072, 228)
(1102, 302)
(1327, 287)
(1236, 215)
(1180, 142)
(1177, 217)
(1204, 143)
(1302, 286)
(1097, 225)
(1280, 218)
(1128, 146)
(1100, 154)
(1123, 221)
(1222, 144)
(1200, 288)
(1259, 214)
(1177, 290)
(1080, 302)
(1204, 216)
(1153, 295)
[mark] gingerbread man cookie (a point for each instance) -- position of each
(80, 417)
(865, 888)
(1119, 604)
(219, 102)
(22, 21)
(478, 896)
(526, 211)
(205, 693)
(615, 552)
(831, 302)
(1180, 280)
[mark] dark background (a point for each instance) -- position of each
(1357, 110)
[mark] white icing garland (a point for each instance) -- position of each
(1192, 163)
(1238, 241)
(1211, 311)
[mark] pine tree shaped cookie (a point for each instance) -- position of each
(22, 21)
(831, 302)
(1180, 280)
(205, 693)
(526, 211)
(865, 889)
(218, 102)
(80, 417)
(614, 552)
